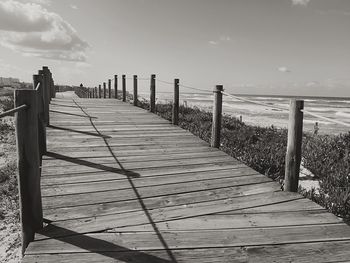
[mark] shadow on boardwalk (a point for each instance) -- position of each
(86, 242)
(102, 247)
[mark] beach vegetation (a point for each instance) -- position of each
(264, 150)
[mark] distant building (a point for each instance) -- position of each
(10, 82)
(14, 83)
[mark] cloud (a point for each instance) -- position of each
(73, 7)
(221, 39)
(283, 70)
(225, 38)
(40, 2)
(32, 30)
(301, 2)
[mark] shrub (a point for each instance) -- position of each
(9, 190)
(6, 103)
(327, 156)
(264, 152)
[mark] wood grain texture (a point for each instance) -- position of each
(121, 184)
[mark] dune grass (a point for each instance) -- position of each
(9, 208)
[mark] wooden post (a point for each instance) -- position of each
(51, 86)
(217, 110)
(104, 90)
(124, 87)
(99, 91)
(45, 97)
(48, 83)
(175, 116)
(41, 115)
(135, 91)
(109, 88)
(153, 93)
(96, 94)
(53, 89)
(295, 137)
(116, 86)
(28, 165)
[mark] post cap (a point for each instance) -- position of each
(219, 88)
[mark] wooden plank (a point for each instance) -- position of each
(65, 160)
(127, 168)
(191, 239)
(135, 152)
(100, 209)
(302, 204)
(217, 255)
(54, 144)
(123, 182)
(177, 212)
(116, 138)
(144, 172)
(299, 253)
(216, 222)
(114, 185)
(106, 191)
(123, 148)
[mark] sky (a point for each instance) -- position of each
(295, 47)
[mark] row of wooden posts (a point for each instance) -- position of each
(32, 118)
(31, 123)
(295, 125)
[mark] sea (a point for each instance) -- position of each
(259, 115)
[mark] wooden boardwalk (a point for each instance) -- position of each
(120, 184)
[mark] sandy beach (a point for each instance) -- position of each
(259, 115)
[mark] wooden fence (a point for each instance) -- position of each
(295, 124)
(31, 118)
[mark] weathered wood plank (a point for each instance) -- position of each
(93, 210)
(242, 220)
(191, 239)
(299, 253)
(107, 193)
(124, 183)
(144, 172)
(63, 160)
(147, 216)
(127, 168)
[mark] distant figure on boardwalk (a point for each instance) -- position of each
(316, 128)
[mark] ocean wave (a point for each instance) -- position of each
(319, 122)
(343, 114)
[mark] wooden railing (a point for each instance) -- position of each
(31, 119)
(295, 124)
